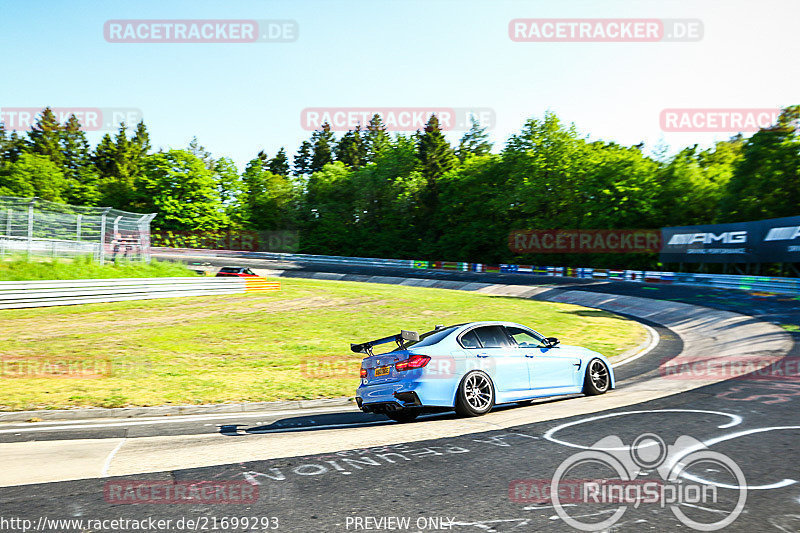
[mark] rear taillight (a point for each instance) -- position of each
(415, 361)
(363, 372)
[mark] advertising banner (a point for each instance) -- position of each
(764, 241)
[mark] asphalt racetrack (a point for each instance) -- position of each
(490, 479)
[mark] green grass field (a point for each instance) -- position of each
(22, 269)
(292, 344)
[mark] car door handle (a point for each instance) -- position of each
(578, 364)
(482, 354)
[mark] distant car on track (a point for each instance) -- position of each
(236, 272)
(473, 367)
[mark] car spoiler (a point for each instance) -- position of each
(400, 338)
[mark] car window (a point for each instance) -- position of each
(492, 337)
(248, 271)
(524, 337)
(228, 269)
(432, 337)
(470, 340)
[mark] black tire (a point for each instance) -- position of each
(475, 395)
(404, 415)
(597, 380)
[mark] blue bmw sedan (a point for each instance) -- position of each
(473, 367)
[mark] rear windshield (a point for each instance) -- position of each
(432, 337)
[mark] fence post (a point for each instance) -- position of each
(103, 235)
(78, 228)
(30, 225)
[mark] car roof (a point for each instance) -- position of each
(459, 328)
(491, 323)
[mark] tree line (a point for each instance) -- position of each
(372, 193)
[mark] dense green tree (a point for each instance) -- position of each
(435, 153)
(230, 188)
(178, 186)
(474, 141)
(120, 163)
(324, 142)
(766, 182)
(327, 210)
(45, 136)
(351, 150)
(80, 173)
(436, 157)
(302, 161)
(376, 140)
(33, 175)
(279, 165)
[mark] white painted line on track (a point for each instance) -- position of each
(79, 425)
(107, 463)
(655, 338)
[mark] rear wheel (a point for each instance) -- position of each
(404, 415)
(475, 395)
(597, 379)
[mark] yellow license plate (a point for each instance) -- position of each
(382, 371)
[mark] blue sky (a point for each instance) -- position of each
(241, 98)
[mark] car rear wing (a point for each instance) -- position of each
(400, 338)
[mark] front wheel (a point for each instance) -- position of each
(597, 379)
(404, 415)
(475, 395)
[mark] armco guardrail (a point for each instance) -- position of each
(722, 281)
(19, 294)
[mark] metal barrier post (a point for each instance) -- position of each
(30, 225)
(103, 236)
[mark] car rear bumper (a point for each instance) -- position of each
(406, 394)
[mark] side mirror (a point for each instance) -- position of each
(551, 342)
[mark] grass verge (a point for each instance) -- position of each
(22, 269)
(292, 344)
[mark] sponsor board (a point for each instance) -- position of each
(774, 240)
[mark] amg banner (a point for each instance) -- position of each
(764, 241)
